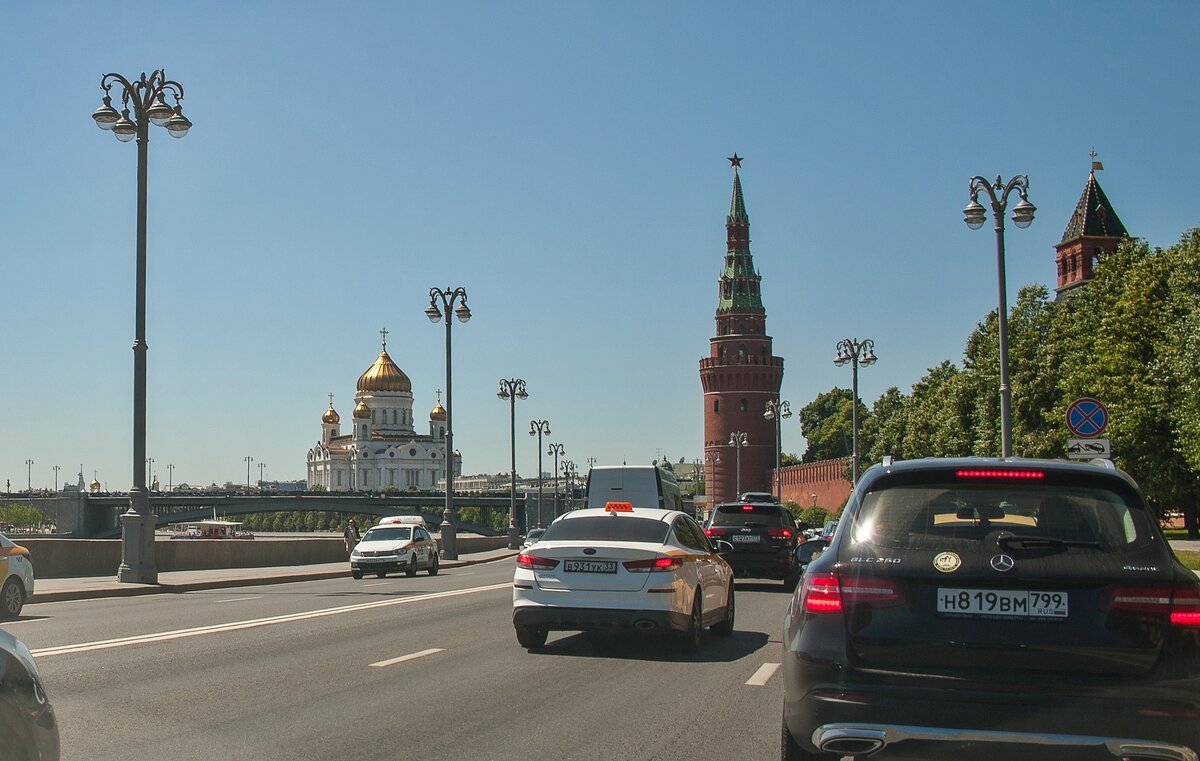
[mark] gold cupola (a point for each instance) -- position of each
(361, 410)
(331, 416)
(384, 375)
(438, 412)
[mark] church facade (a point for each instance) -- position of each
(382, 447)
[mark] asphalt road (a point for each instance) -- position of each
(394, 668)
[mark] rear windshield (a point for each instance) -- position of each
(391, 534)
(760, 516)
(916, 516)
(615, 528)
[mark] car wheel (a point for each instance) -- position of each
(691, 636)
(356, 574)
(380, 574)
(531, 636)
(725, 628)
(433, 566)
(12, 598)
(412, 567)
(790, 751)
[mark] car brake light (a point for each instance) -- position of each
(747, 508)
(1185, 607)
(653, 565)
(829, 593)
(535, 562)
(1182, 607)
(821, 593)
(1017, 474)
(780, 532)
(711, 532)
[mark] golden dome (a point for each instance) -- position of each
(331, 416)
(384, 375)
(94, 485)
(362, 410)
(438, 412)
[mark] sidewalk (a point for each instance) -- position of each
(82, 588)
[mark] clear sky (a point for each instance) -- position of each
(565, 163)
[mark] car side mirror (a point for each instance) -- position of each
(720, 546)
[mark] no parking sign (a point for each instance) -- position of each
(1087, 417)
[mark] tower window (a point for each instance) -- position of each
(716, 405)
(744, 405)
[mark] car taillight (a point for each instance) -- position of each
(780, 533)
(653, 565)
(829, 593)
(1182, 607)
(711, 532)
(535, 562)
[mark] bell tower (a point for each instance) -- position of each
(1094, 231)
(740, 374)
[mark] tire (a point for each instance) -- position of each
(412, 567)
(725, 628)
(790, 751)
(530, 637)
(380, 574)
(12, 598)
(691, 636)
(356, 574)
(433, 566)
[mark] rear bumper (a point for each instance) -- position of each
(554, 618)
(762, 566)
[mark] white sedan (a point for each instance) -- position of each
(623, 567)
(16, 578)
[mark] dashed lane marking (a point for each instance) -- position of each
(409, 657)
(146, 639)
(763, 675)
(240, 599)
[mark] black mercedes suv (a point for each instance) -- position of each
(988, 609)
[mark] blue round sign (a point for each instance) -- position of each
(1087, 417)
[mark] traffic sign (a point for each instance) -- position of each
(1087, 417)
(1086, 449)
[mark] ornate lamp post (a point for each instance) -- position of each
(537, 428)
(710, 459)
(974, 215)
(737, 439)
(857, 353)
(569, 473)
(29, 477)
(777, 411)
(261, 467)
(248, 460)
(147, 96)
(170, 477)
(435, 312)
(556, 450)
(512, 390)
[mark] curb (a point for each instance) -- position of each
(135, 590)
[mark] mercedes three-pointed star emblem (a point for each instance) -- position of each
(1002, 563)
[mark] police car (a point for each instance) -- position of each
(17, 574)
(398, 543)
(623, 567)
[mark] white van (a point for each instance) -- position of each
(639, 485)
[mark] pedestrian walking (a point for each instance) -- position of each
(352, 535)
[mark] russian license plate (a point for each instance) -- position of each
(1002, 603)
(590, 566)
(746, 538)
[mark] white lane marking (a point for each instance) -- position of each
(409, 657)
(239, 599)
(763, 675)
(26, 621)
(145, 639)
(376, 584)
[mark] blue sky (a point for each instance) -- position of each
(565, 163)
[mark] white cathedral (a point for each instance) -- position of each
(382, 448)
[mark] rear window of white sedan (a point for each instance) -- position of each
(614, 528)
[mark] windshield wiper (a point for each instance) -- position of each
(1026, 541)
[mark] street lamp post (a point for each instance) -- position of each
(556, 450)
(29, 477)
(512, 390)
(261, 467)
(170, 477)
(778, 410)
(857, 353)
(248, 460)
(710, 458)
(537, 428)
(737, 439)
(56, 469)
(435, 312)
(569, 474)
(149, 470)
(974, 215)
(147, 96)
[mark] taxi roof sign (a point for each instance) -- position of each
(618, 507)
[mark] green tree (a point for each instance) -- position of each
(827, 424)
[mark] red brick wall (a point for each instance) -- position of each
(826, 479)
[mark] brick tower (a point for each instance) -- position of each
(1094, 231)
(740, 374)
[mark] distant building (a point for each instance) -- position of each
(383, 448)
(1093, 232)
(741, 374)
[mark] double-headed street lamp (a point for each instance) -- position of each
(170, 477)
(434, 312)
(512, 389)
(738, 439)
(778, 410)
(569, 473)
(147, 96)
(537, 428)
(556, 450)
(974, 215)
(248, 460)
(856, 353)
(29, 477)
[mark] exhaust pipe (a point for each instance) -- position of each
(644, 625)
(850, 741)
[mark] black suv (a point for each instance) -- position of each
(987, 609)
(763, 536)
